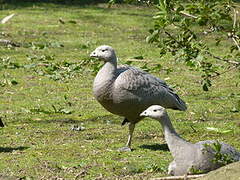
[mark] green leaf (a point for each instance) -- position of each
(152, 37)
(218, 130)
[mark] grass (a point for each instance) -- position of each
(46, 90)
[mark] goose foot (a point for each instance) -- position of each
(125, 149)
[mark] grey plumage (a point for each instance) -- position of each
(127, 91)
(188, 157)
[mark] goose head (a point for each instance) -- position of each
(105, 53)
(155, 111)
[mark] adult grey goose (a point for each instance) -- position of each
(127, 91)
(188, 157)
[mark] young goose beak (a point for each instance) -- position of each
(144, 113)
(93, 54)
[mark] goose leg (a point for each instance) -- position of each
(128, 145)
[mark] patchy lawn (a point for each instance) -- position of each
(45, 90)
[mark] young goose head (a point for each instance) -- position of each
(105, 53)
(155, 111)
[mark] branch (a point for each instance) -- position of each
(6, 42)
(185, 14)
(219, 74)
(169, 35)
(7, 18)
(233, 35)
(185, 177)
(236, 43)
(236, 63)
(188, 15)
(137, 60)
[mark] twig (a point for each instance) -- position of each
(169, 35)
(236, 43)
(6, 42)
(186, 177)
(219, 74)
(194, 130)
(186, 14)
(137, 60)
(234, 18)
(7, 18)
(236, 63)
(233, 35)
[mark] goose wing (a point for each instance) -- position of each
(138, 86)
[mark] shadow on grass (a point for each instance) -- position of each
(53, 120)
(155, 147)
(61, 120)
(135, 14)
(13, 4)
(11, 149)
(107, 119)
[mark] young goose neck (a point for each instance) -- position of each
(174, 141)
(110, 66)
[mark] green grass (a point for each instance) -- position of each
(42, 97)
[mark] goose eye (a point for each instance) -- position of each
(103, 50)
(154, 110)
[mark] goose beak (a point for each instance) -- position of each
(144, 114)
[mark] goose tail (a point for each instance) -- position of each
(181, 105)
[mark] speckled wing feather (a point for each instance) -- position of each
(147, 88)
(225, 148)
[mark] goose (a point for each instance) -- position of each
(189, 158)
(127, 91)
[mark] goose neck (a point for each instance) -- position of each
(110, 66)
(106, 75)
(174, 141)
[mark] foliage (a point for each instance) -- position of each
(182, 29)
(188, 43)
(44, 65)
(220, 158)
(7, 63)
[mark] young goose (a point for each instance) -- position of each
(127, 91)
(190, 158)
